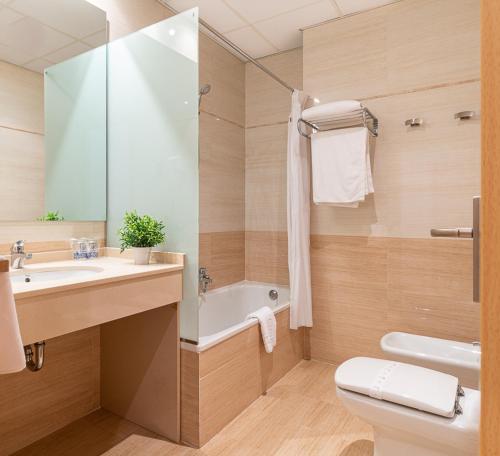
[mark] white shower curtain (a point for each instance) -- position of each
(298, 204)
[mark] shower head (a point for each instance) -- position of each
(204, 89)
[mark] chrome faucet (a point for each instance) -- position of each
(204, 279)
(18, 255)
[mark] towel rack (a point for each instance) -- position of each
(359, 118)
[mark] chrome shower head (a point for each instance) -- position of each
(204, 89)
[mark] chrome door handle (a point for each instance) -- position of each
(470, 233)
(453, 232)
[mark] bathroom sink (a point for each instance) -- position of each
(49, 274)
(460, 359)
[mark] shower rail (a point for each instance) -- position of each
(360, 118)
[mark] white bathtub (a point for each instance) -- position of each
(222, 312)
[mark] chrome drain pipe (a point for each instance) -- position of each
(35, 356)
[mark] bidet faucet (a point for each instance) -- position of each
(204, 279)
(18, 255)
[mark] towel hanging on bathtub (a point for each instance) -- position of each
(267, 322)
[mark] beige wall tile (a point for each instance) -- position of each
(266, 256)
(127, 16)
(365, 287)
(423, 177)
(50, 231)
(224, 256)
(265, 178)
(408, 45)
(226, 74)
(35, 404)
(222, 175)
(267, 102)
(21, 98)
(22, 175)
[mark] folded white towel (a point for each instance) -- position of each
(267, 322)
(341, 169)
(12, 352)
(328, 110)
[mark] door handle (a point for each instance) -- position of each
(468, 233)
(453, 232)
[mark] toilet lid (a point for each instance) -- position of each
(400, 383)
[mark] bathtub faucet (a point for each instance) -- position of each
(204, 279)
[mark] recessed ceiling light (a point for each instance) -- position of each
(171, 32)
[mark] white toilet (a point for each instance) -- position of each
(414, 411)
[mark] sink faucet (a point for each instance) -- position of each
(204, 279)
(18, 255)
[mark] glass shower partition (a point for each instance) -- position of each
(153, 140)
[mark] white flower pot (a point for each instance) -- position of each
(142, 255)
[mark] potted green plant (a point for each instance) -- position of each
(141, 233)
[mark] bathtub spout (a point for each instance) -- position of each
(204, 280)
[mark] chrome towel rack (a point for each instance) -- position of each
(358, 118)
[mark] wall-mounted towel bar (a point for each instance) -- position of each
(358, 118)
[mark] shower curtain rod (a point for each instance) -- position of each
(235, 48)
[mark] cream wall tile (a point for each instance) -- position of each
(423, 177)
(267, 102)
(21, 98)
(265, 177)
(226, 74)
(50, 231)
(127, 16)
(21, 174)
(408, 45)
(222, 175)
(365, 287)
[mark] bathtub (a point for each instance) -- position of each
(229, 368)
(222, 312)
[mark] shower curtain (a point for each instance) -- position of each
(298, 205)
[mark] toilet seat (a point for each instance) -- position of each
(404, 384)
(401, 429)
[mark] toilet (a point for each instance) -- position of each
(414, 411)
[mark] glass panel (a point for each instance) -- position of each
(75, 137)
(153, 139)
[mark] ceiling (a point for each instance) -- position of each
(264, 27)
(36, 34)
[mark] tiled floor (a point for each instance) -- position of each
(300, 415)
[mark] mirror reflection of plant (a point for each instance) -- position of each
(141, 231)
(51, 217)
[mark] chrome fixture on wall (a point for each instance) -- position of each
(471, 233)
(465, 115)
(18, 255)
(204, 279)
(204, 90)
(414, 122)
(35, 356)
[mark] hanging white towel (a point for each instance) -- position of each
(267, 322)
(341, 169)
(12, 352)
(298, 219)
(328, 110)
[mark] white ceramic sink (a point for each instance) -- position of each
(460, 359)
(28, 275)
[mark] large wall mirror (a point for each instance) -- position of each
(52, 110)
